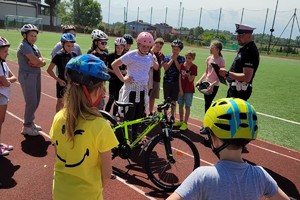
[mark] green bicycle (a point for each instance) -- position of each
(169, 155)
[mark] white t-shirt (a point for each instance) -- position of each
(138, 66)
(4, 90)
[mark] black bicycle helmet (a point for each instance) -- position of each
(87, 70)
(128, 38)
(203, 87)
(177, 43)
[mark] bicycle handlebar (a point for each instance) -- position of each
(165, 105)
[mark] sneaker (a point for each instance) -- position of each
(36, 127)
(178, 123)
(183, 127)
(31, 131)
(3, 151)
(6, 146)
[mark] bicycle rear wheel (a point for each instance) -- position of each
(169, 174)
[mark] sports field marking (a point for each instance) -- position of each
(266, 115)
(134, 188)
(275, 152)
(21, 120)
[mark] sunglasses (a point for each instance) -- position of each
(103, 43)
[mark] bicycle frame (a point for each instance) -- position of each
(124, 125)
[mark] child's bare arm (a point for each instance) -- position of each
(106, 168)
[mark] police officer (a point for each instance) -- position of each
(242, 71)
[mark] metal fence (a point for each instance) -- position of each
(218, 19)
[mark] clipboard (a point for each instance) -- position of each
(217, 69)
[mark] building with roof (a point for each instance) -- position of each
(21, 12)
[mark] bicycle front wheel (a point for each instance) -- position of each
(167, 173)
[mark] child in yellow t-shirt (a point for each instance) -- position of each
(82, 138)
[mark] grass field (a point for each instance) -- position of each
(275, 95)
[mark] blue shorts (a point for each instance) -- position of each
(186, 99)
(3, 100)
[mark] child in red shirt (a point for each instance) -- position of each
(188, 72)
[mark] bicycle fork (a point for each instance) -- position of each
(167, 141)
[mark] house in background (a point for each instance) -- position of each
(163, 29)
(16, 13)
(135, 27)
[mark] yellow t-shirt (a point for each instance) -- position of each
(77, 170)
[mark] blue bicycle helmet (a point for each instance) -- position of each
(68, 37)
(87, 70)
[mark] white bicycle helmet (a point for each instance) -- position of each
(120, 41)
(29, 27)
(4, 42)
(98, 35)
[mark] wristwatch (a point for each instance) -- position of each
(227, 74)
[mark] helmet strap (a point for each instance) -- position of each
(88, 96)
(142, 52)
(63, 46)
(217, 151)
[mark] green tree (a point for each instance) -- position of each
(52, 4)
(65, 13)
(87, 13)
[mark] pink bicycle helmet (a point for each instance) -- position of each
(145, 38)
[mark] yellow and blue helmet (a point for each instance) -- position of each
(232, 118)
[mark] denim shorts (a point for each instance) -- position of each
(3, 100)
(186, 99)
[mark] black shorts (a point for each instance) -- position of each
(171, 90)
(245, 95)
(60, 90)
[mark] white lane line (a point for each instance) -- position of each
(47, 95)
(266, 115)
(279, 118)
(134, 188)
(21, 120)
(275, 152)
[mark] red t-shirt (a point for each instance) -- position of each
(187, 86)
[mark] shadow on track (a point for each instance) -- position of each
(8, 170)
(35, 146)
(136, 174)
(285, 184)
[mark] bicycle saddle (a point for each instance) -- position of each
(123, 104)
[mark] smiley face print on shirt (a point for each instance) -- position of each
(85, 153)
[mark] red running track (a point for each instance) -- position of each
(27, 172)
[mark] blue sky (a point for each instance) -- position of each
(255, 13)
